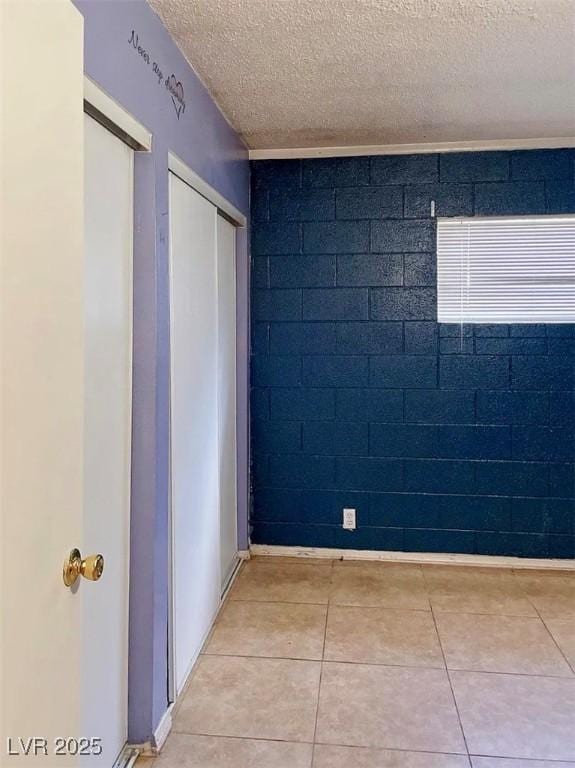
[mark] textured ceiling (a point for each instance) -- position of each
(312, 73)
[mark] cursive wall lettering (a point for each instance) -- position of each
(173, 86)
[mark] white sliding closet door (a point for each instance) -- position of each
(194, 422)
(227, 396)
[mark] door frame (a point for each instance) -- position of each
(101, 107)
(183, 172)
(105, 110)
(197, 183)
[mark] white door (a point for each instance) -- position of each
(108, 400)
(65, 399)
(194, 422)
(227, 397)
(41, 376)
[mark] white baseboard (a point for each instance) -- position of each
(485, 561)
(163, 729)
(242, 556)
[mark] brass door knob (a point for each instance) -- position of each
(90, 568)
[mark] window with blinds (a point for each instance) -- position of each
(518, 269)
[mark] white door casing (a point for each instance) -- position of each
(42, 372)
(194, 420)
(227, 397)
(108, 398)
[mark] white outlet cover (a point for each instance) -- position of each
(349, 519)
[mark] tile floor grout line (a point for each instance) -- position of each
(376, 749)
(537, 618)
(451, 688)
(384, 664)
(277, 602)
(530, 600)
(567, 661)
(409, 750)
(533, 760)
(550, 760)
(397, 609)
(284, 602)
(243, 738)
(325, 744)
(275, 561)
(542, 620)
(394, 607)
(321, 671)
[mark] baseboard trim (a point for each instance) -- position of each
(488, 145)
(163, 729)
(485, 561)
(241, 557)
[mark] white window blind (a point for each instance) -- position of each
(518, 269)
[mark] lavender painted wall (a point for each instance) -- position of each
(202, 138)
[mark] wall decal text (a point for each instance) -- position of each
(172, 85)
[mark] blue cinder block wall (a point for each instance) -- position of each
(445, 439)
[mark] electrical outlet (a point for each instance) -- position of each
(349, 519)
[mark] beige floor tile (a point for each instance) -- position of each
(348, 562)
(494, 762)
(475, 590)
(326, 756)
(382, 636)
(563, 631)
(282, 583)
(517, 716)
(146, 762)
(568, 573)
(441, 569)
(486, 643)
(285, 630)
(252, 698)
(285, 560)
(185, 751)
(553, 595)
(388, 707)
(385, 587)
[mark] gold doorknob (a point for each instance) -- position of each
(90, 568)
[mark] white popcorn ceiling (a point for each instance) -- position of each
(313, 73)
